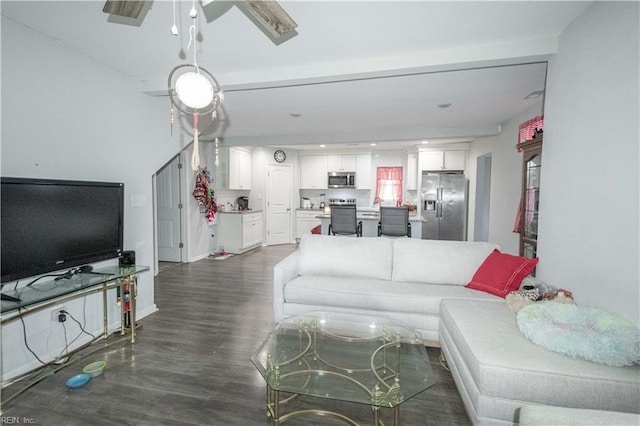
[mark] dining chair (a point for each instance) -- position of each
(394, 222)
(344, 220)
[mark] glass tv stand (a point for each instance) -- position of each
(48, 293)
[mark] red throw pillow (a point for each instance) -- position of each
(501, 273)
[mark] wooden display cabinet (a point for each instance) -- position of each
(531, 168)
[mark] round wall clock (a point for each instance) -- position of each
(280, 156)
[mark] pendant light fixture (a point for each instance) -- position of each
(192, 89)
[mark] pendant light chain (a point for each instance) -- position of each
(195, 158)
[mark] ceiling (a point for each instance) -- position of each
(357, 72)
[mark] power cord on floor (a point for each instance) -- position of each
(24, 334)
(66, 344)
(37, 377)
(79, 325)
(443, 361)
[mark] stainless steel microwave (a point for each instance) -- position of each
(341, 180)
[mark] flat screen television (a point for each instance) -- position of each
(50, 225)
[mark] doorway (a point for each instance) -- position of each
(483, 198)
(278, 204)
(168, 212)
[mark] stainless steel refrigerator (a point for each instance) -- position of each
(444, 206)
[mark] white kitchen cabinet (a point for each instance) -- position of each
(341, 163)
(313, 172)
(239, 232)
(234, 171)
(442, 160)
(363, 171)
(412, 171)
(251, 229)
(239, 169)
(306, 220)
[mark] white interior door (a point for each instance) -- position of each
(168, 212)
(278, 204)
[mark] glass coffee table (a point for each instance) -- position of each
(373, 361)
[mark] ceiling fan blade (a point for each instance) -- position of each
(270, 18)
(127, 9)
(214, 9)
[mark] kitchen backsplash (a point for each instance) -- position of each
(228, 198)
(315, 195)
(364, 196)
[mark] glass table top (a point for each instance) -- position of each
(373, 361)
(50, 288)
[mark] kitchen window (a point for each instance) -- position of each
(388, 186)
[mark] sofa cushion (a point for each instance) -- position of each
(379, 295)
(438, 262)
(325, 255)
(579, 331)
(501, 273)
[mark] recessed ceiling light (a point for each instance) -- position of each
(447, 105)
(323, 146)
(295, 114)
(373, 144)
(424, 142)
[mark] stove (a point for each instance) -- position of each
(343, 201)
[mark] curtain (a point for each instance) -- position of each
(517, 226)
(388, 185)
(526, 129)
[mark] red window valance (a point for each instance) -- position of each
(527, 128)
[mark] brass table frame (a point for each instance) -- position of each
(385, 393)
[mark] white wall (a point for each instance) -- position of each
(589, 201)
(66, 116)
(198, 231)
(506, 180)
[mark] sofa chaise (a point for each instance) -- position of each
(422, 283)
(497, 370)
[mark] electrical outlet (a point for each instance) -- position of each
(55, 312)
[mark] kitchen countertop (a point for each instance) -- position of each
(239, 211)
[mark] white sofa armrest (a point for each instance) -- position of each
(285, 271)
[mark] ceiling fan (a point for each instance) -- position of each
(267, 15)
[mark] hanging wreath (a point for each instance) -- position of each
(204, 195)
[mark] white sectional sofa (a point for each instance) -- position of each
(404, 279)
(536, 415)
(497, 370)
(421, 283)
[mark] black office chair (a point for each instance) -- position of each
(394, 222)
(344, 220)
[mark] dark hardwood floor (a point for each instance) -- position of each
(190, 364)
